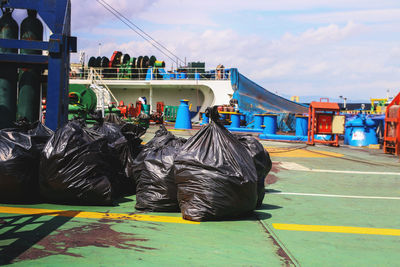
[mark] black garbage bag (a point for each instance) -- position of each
(18, 168)
(156, 188)
(262, 162)
(133, 134)
(20, 149)
(111, 131)
(215, 175)
(125, 144)
(113, 118)
(38, 133)
(77, 167)
(127, 149)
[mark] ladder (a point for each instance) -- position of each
(96, 79)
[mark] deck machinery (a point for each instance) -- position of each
(57, 16)
(324, 119)
(391, 143)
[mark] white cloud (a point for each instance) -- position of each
(325, 34)
(313, 62)
(198, 10)
(342, 56)
(87, 14)
(359, 16)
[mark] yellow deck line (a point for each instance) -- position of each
(337, 229)
(300, 153)
(95, 215)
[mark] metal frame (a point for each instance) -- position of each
(391, 145)
(57, 16)
(315, 109)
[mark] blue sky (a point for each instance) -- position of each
(293, 47)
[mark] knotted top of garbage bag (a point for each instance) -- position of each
(25, 126)
(143, 116)
(213, 114)
(130, 130)
(37, 132)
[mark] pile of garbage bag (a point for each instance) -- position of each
(156, 189)
(211, 176)
(215, 175)
(80, 166)
(20, 149)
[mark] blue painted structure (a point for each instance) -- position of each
(204, 119)
(292, 138)
(270, 123)
(182, 76)
(235, 120)
(57, 16)
(258, 121)
(380, 126)
(235, 125)
(149, 74)
(280, 137)
(165, 75)
(301, 125)
(301, 131)
(183, 117)
(361, 131)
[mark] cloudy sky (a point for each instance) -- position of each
(293, 47)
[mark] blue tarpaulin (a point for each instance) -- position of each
(286, 122)
(257, 100)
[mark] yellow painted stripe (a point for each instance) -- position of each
(337, 229)
(95, 215)
(300, 153)
(176, 130)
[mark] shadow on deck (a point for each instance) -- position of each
(20, 240)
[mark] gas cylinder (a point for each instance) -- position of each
(31, 29)
(8, 74)
(29, 79)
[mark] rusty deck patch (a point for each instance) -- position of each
(95, 234)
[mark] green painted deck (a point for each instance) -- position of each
(339, 206)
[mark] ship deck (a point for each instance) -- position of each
(324, 206)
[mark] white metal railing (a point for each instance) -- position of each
(125, 73)
(97, 80)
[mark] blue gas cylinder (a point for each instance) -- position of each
(361, 131)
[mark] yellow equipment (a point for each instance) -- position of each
(378, 105)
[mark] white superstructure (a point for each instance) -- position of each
(200, 92)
